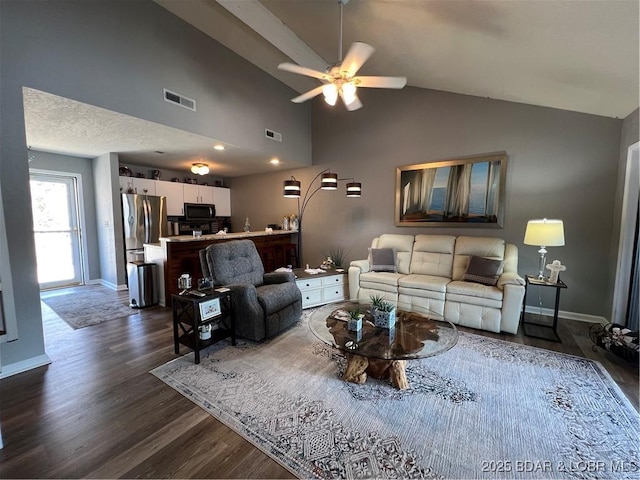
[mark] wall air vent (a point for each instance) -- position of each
(180, 100)
(273, 135)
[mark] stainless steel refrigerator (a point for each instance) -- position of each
(144, 220)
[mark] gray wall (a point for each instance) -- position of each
(561, 165)
(119, 55)
(80, 166)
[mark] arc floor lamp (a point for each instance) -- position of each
(328, 181)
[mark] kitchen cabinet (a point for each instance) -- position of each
(175, 197)
(222, 201)
(197, 193)
(141, 186)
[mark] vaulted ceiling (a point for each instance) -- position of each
(569, 54)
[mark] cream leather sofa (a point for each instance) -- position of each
(429, 279)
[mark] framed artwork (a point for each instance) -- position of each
(210, 309)
(466, 191)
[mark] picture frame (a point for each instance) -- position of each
(460, 192)
(209, 309)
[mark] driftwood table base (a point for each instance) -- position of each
(358, 367)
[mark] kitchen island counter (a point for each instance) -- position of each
(225, 236)
(177, 255)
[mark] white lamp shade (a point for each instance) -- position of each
(544, 232)
(349, 93)
(330, 92)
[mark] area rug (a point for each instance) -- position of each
(484, 409)
(89, 305)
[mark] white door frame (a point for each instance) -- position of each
(627, 232)
(84, 259)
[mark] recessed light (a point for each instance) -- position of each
(218, 147)
(274, 161)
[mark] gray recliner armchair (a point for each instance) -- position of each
(263, 304)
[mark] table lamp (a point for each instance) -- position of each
(544, 233)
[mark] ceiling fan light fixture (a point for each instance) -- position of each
(349, 92)
(330, 92)
(329, 181)
(292, 189)
(200, 168)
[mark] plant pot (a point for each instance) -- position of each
(384, 319)
(355, 324)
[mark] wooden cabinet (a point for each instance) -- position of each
(222, 201)
(175, 196)
(322, 288)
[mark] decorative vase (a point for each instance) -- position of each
(383, 319)
(204, 331)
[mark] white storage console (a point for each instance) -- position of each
(322, 288)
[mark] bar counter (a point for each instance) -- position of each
(180, 254)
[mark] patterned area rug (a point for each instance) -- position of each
(89, 305)
(484, 409)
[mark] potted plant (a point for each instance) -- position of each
(383, 312)
(355, 320)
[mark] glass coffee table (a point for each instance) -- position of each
(379, 352)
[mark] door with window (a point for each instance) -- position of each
(54, 202)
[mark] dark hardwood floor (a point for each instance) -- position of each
(96, 412)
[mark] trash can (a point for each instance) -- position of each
(142, 284)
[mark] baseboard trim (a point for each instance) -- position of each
(581, 317)
(24, 365)
(112, 286)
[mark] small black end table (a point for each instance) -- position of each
(187, 318)
(544, 331)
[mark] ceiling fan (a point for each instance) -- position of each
(339, 79)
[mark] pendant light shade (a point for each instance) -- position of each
(329, 181)
(354, 189)
(292, 189)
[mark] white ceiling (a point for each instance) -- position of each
(568, 54)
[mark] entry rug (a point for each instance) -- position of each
(89, 305)
(484, 409)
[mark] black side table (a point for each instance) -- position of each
(544, 331)
(188, 317)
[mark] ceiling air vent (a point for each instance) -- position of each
(273, 135)
(180, 100)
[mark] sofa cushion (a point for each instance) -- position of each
(424, 282)
(382, 260)
(487, 247)
(433, 255)
(483, 270)
(470, 289)
(403, 245)
(370, 279)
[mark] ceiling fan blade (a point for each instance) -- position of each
(381, 82)
(293, 68)
(355, 105)
(356, 56)
(308, 95)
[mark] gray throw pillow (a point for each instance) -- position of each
(382, 259)
(483, 270)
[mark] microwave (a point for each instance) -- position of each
(199, 212)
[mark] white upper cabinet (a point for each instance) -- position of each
(197, 193)
(222, 201)
(141, 186)
(144, 186)
(175, 197)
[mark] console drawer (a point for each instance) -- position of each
(311, 297)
